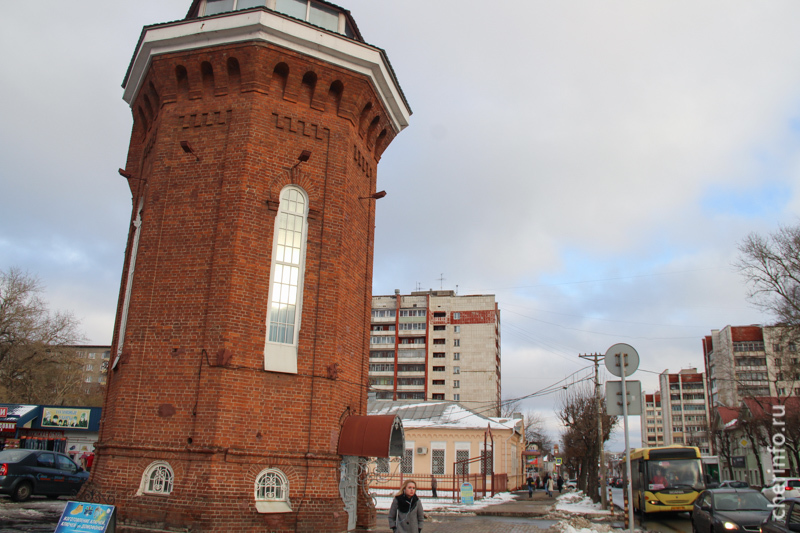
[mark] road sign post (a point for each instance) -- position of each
(622, 360)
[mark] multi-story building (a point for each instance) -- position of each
(685, 409)
(94, 360)
(750, 361)
(652, 421)
(434, 345)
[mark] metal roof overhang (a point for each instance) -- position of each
(372, 436)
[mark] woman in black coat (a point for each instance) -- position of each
(406, 515)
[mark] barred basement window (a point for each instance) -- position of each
(157, 479)
(272, 492)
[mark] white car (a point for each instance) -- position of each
(571, 484)
(782, 487)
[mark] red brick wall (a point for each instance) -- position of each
(746, 333)
(201, 283)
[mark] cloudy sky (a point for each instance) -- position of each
(592, 164)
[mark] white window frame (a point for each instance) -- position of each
(166, 485)
(123, 322)
(265, 504)
(443, 447)
(278, 356)
(460, 447)
(409, 446)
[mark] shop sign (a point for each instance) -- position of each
(58, 417)
(3, 412)
(6, 427)
(79, 517)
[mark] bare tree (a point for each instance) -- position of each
(578, 413)
(36, 363)
(509, 407)
(536, 432)
(771, 267)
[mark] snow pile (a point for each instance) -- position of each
(578, 502)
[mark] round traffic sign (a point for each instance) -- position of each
(622, 354)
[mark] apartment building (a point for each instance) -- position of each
(685, 409)
(750, 361)
(435, 345)
(652, 421)
(95, 361)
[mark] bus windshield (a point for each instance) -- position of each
(675, 473)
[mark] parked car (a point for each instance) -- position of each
(734, 484)
(783, 488)
(571, 484)
(785, 518)
(725, 509)
(27, 472)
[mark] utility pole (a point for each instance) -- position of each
(596, 357)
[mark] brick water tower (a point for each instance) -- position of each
(238, 388)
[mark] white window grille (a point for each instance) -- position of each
(158, 478)
(272, 492)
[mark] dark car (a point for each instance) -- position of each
(726, 509)
(27, 472)
(785, 517)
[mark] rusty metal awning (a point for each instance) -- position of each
(372, 436)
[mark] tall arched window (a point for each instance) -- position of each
(286, 281)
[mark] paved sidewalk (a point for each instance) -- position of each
(539, 505)
(520, 515)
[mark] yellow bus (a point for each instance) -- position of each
(666, 479)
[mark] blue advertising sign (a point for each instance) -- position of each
(467, 496)
(82, 517)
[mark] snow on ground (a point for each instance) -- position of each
(384, 501)
(577, 502)
(32, 510)
(570, 512)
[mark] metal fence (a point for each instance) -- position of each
(447, 486)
